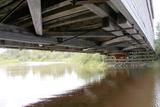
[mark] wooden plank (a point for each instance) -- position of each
(57, 6)
(122, 22)
(81, 2)
(117, 40)
(27, 37)
(65, 13)
(12, 11)
(103, 13)
(93, 34)
(60, 15)
(137, 16)
(112, 6)
(97, 10)
(66, 18)
(135, 47)
(49, 9)
(112, 27)
(80, 25)
(110, 44)
(69, 22)
(4, 43)
(35, 10)
(18, 45)
(17, 37)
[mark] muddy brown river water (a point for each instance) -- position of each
(56, 85)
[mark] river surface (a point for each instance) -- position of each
(57, 85)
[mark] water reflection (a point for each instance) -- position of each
(157, 88)
(116, 90)
(25, 84)
(52, 70)
(60, 85)
(56, 70)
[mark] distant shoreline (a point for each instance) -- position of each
(32, 63)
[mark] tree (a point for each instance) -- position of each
(158, 30)
(158, 39)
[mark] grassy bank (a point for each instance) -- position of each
(87, 62)
(83, 61)
(9, 61)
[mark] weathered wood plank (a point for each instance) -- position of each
(69, 22)
(49, 9)
(80, 25)
(93, 34)
(103, 13)
(97, 10)
(35, 10)
(65, 13)
(112, 27)
(12, 11)
(140, 17)
(135, 47)
(116, 40)
(31, 38)
(18, 45)
(89, 1)
(122, 22)
(60, 15)
(66, 18)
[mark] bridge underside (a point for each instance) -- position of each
(68, 25)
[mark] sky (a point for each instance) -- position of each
(156, 7)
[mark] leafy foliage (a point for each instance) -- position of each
(158, 30)
(158, 39)
(40, 56)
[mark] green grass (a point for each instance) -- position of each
(9, 61)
